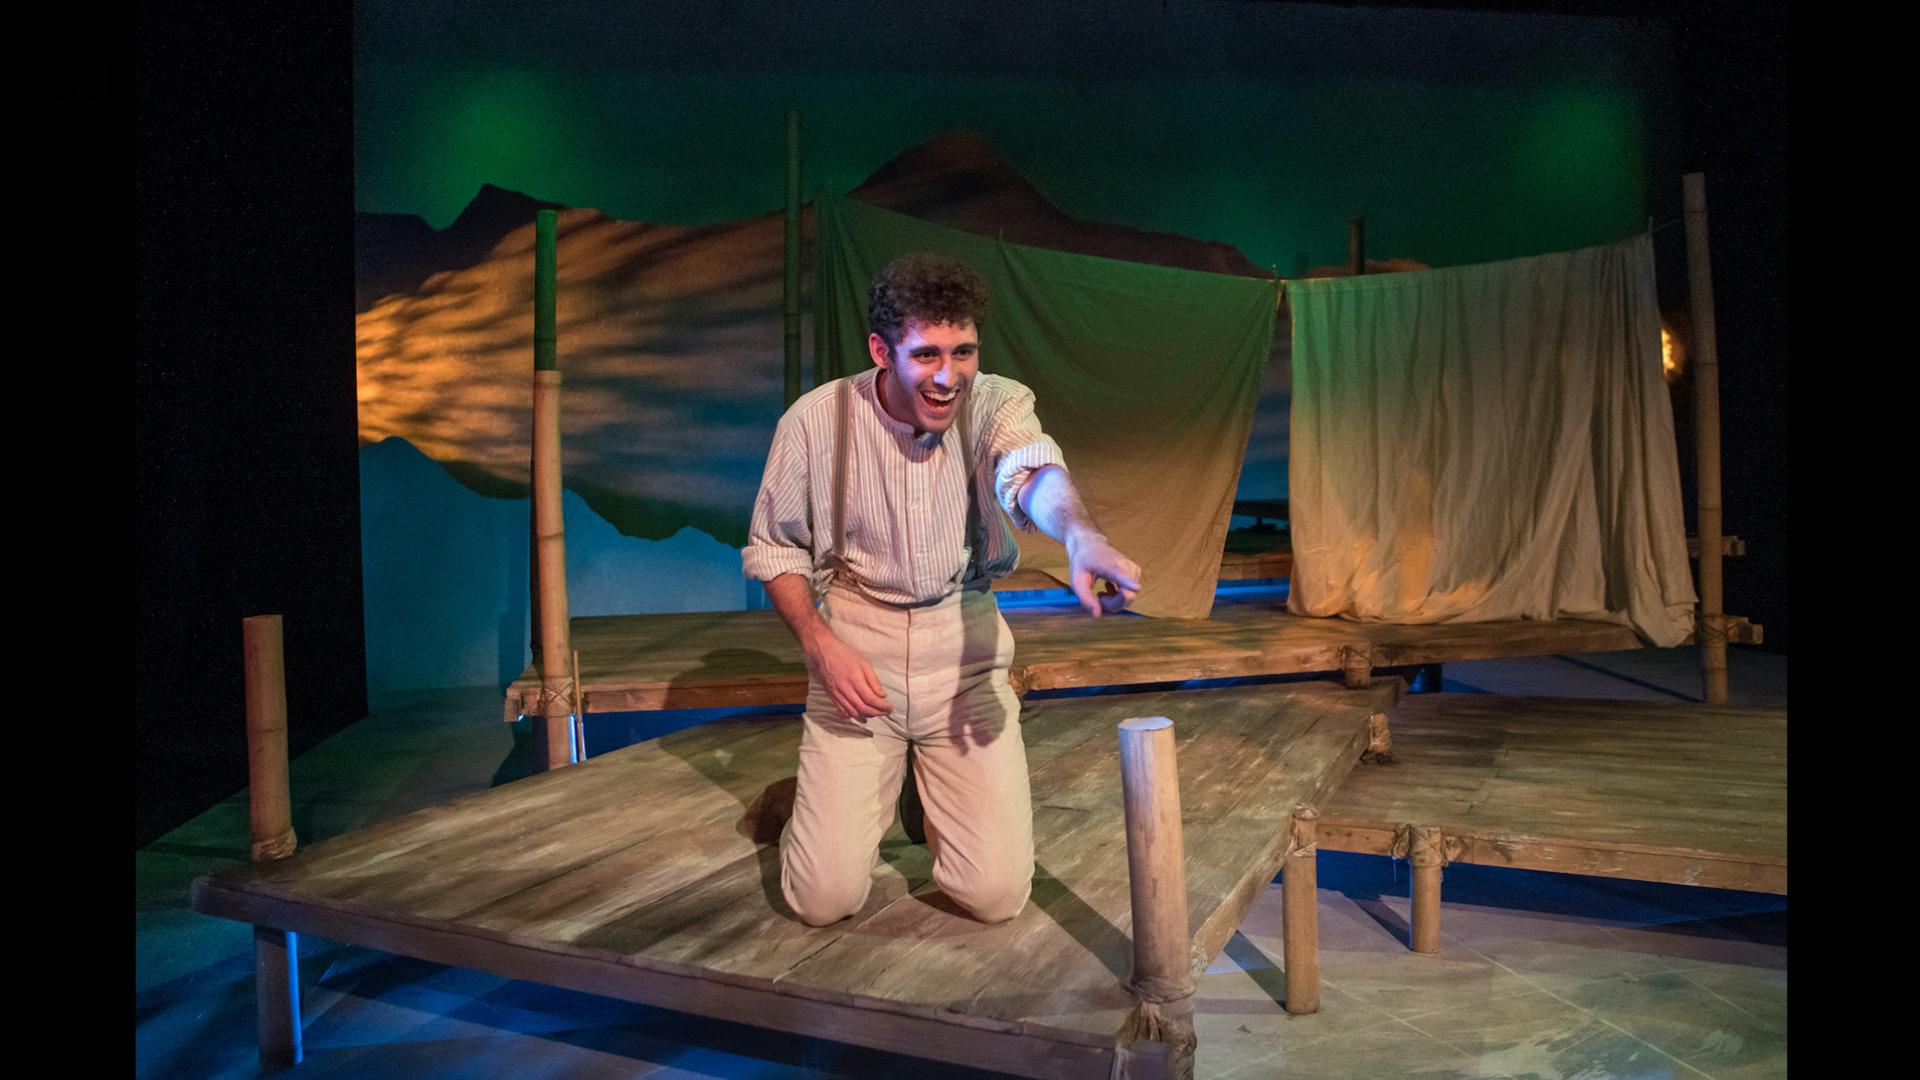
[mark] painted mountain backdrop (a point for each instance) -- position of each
(670, 337)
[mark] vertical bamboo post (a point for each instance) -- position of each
(1357, 244)
(1426, 855)
(1712, 632)
(793, 256)
(1156, 870)
(1300, 913)
(1356, 666)
(554, 742)
(269, 798)
(1379, 737)
(276, 953)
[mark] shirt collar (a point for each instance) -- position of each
(868, 383)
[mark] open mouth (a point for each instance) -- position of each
(938, 401)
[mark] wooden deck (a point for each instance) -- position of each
(1652, 791)
(1260, 558)
(746, 658)
(634, 875)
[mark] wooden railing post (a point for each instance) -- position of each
(554, 742)
(276, 953)
(1705, 365)
(1300, 913)
(1156, 868)
(1428, 856)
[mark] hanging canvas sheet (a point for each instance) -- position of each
(1488, 442)
(1145, 375)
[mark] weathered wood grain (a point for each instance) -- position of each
(1654, 791)
(740, 658)
(636, 874)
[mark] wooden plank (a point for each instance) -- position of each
(1637, 862)
(867, 1024)
(744, 658)
(1063, 961)
(652, 868)
(489, 824)
(1660, 791)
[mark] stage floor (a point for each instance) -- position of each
(1539, 974)
(746, 658)
(636, 875)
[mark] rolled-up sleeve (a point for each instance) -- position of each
(1018, 447)
(780, 536)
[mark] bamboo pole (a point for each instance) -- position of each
(1712, 632)
(1379, 737)
(1356, 666)
(793, 256)
(1156, 870)
(1300, 914)
(269, 798)
(276, 953)
(1357, 244)
(555, 739)
(1427, 857)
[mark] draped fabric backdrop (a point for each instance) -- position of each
(1488, 442)
(1146, 376)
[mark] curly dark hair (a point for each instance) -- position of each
(930, 288)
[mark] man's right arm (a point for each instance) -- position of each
(779, 554)
(839, 667)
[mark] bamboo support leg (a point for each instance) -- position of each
(1300, 915)
(276, 954)
(1427, 859)
(1356, 664)
(276, 977)
(1156, 870)
(1379, 739)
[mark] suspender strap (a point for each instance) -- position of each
(975, 541)
(844, 396)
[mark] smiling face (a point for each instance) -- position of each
(925, 376)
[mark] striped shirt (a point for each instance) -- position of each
(906, 501)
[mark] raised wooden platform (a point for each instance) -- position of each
(634, 875)
(1260, 557)
(742, 658)
(1653, 791)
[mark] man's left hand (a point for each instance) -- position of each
(1090, 561)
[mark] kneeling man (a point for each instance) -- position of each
(878, 531)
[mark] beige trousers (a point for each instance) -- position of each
(944, 669)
